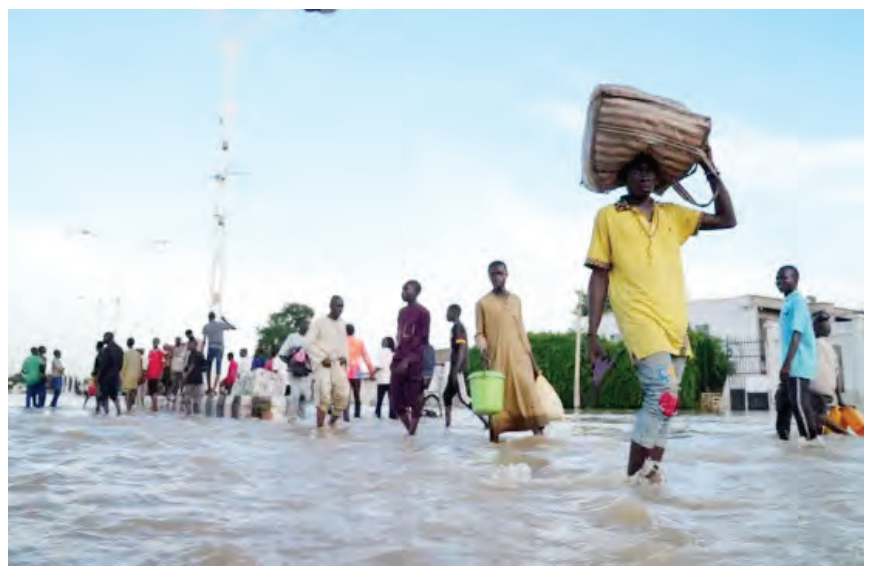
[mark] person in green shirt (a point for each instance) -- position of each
(31, 371)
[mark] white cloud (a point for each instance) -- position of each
(798, 201)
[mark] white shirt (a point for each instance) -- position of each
(244, 366)
(293, 341)
(383, 367)
(280, 368)
(178, 358)
(57, 368)
(825, 382)
(327, 339)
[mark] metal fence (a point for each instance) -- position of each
(747, 356)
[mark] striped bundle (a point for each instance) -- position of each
(623, 122)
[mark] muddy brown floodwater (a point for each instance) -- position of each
(165, 490)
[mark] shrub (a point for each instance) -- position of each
(554, 352)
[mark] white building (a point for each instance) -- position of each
(750, 326)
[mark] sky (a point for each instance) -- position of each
(380, 146)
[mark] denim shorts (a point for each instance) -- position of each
(660, 375)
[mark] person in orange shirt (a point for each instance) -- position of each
(357, 353)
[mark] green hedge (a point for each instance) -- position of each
(554, 352)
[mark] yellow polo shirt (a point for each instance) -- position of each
(646, 284)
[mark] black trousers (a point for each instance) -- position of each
(794, 398)
(356, 393)
(382, 391)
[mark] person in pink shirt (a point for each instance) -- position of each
(232, 374)
(154, 371)
(357, 354)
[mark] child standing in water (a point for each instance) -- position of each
(383, 377)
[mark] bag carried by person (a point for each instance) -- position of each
(549, 400)
(299, 364)
(624, 122)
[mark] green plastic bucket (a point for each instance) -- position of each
(486, 390)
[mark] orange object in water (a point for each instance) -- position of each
(852, 419)
(848, 418)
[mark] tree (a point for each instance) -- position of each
(581, 304)
(581, 309)
(281, 324)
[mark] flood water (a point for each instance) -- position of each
(166, 490)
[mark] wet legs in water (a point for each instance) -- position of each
(783, 412)
(381, 394)
(447, 407)
(356, 394)
(104, 402)
(415, 414)
(55, 396)
(130, 400)
(321, 415)
(39, 402)
(801, 405)
(639, 454)
(58, 387)
(31, 398)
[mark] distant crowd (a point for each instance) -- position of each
(635, 261)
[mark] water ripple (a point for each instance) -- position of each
(165, 490)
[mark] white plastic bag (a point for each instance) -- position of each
(549, 399)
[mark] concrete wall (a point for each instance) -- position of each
(737, 318)
(849, 337)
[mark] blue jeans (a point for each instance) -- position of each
(659, 373)
(58, 385)
(32, 396)
(214, 353)
(40, 395)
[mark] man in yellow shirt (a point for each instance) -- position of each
(635, 258)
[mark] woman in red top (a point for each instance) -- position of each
(232, 374)
(155, 371)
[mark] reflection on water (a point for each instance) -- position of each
(161, 489)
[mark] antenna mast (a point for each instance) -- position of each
(230, 51)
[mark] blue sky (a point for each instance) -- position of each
(383, 145)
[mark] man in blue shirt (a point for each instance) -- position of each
(798, 361)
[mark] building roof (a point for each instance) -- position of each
(775, 304)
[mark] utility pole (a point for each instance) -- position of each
(231, 55)
(580, 312)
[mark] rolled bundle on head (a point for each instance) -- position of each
(624, 122)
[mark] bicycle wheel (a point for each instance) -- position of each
(433, 403)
